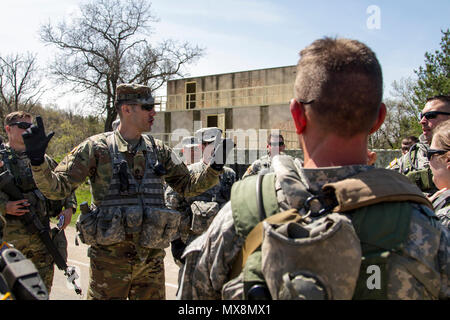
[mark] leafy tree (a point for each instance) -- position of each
(434, 77)
(108, 44)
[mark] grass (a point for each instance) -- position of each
(83, 194)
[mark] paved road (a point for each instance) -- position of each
(77, 256)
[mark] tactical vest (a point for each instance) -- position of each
(422, 177)
(23, 177)
(378, 202)
(131, 207)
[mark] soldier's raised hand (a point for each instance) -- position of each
(36, 142)
(221, 153)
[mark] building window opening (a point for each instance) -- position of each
(191, 88)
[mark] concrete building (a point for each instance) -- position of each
(255, 99)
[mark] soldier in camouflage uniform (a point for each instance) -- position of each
(407, 143)
(15, 231)
(415, 164)
(439, 158)
(199, 211)
(338, 92)
(128, 226)
(275, 146)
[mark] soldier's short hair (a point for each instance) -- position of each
(441, 135)
(341, 81)
(443, 98)
(16, 115)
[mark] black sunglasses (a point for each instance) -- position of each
(21, 125)
(305, 102)
(431, 114)
(432, 152)
(281, 143)
(147, 107)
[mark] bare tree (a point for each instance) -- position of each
(20, 83)
(108, 44)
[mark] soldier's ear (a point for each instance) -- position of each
(298, 115)
(380, 118)
(7, 129)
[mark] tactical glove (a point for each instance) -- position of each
(36, 142)
(221, 153)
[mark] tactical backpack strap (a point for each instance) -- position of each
(244, 202)
(442, 201)
(250, 204)
(372, 187)
(255, 238)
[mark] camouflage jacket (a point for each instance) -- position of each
(220, 194)
(262, 163)
(418, 158)
(210, 257)
(15, 231)
(442, 207)
(23, 164)
(91, 159)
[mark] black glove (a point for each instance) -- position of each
(36, 142)
(221, 153)
(177, 247)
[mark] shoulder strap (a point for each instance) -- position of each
(374, 186)
(245, 201)
(254, 238)
(442, 200)
(364, 189)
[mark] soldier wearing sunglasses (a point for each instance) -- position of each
(439, 157)
(127, 225)
(275, 145)
(415, 164)
(15, 231)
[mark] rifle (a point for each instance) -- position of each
(34, 224)
(19, 278)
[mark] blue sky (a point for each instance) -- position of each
(249, 34)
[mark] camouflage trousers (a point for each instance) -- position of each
(126, 270)
(32, 248)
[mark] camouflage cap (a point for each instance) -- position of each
(208, 134)
(134, 93)
(189, 142)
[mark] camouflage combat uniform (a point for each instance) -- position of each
(15, 232)
(219, 194)
(419, 171)
(262, 163)
(442, 206)
(419, 158)
(125, 269)
(209, 259)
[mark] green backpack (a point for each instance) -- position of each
(355, 208)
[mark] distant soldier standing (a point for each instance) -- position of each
(275, 146)
(316, 230)
(415, 164)
(128, 225)
(16, 161)
(199, 211)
